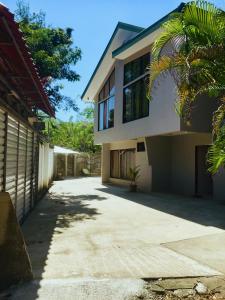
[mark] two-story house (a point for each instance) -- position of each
(135, 132)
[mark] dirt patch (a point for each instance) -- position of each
(204, 288)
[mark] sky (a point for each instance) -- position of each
(93, 22)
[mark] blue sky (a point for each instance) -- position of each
(93, 22)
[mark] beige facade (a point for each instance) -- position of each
(168, 165)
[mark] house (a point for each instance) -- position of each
(134, 132)
(26, 159)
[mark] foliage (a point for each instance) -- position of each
(134, 174)
(216, 155)
(88, 113)
(197, 36)
(77, 135)
(53, 53)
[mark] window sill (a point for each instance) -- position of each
(119, 181)
(125, 122)
(105, 129)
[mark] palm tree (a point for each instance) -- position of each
(197, 35)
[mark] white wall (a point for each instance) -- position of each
(46, 165)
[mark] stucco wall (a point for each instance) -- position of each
(183, 161)
(167, 165)
(159, 153)
(141, 160)
(162, 116)
(105, 168)
(173, 162)
(201, 115)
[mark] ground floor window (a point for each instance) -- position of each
(120, 163)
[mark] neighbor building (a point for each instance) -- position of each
(135, 132)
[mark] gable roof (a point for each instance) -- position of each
(141, 33)
(120, 25)
(146, 32)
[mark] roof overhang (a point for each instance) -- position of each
(17, 64)
(144, 39)
(122, 32)
(118, 49)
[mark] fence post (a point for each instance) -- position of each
(5, 151)
(17, 163)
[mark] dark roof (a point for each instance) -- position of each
(20, 67)
(146, 32)
(120, 25)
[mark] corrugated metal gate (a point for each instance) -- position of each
(18, 163)
(2, 149)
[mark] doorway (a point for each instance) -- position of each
(203, 179)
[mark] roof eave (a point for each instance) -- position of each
(145, 32)
(120, 25)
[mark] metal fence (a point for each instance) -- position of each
(19, 153)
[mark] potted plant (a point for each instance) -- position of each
(134, 174)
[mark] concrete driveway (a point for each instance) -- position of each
(83, 229)
(86, 229)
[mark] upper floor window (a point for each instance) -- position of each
(135, 102)
(106, 101)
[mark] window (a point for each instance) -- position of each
(135, 102)
(106, 104)
(136, 68)
(120, 163)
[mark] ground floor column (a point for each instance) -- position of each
(105, 163)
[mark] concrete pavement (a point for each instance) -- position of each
(83, 229)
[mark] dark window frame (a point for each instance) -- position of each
(141, 77)
(144, 115)
(105, 100)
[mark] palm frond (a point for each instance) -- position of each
(219, 117)
(171, 30)
(162, 66)
(202, 15)
(216, 154)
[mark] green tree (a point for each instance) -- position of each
(77, 135)
(53, 53)
(88, 113)
(197, 35)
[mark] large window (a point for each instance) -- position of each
(106, 104)
(135, 102)
(120, 163)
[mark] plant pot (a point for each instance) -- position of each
(133, 188)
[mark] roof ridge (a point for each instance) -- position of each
(146, 31)
(129, 26)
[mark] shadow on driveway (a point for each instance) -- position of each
(199, 210)
(52, 216)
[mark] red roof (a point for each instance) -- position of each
(16, 59)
